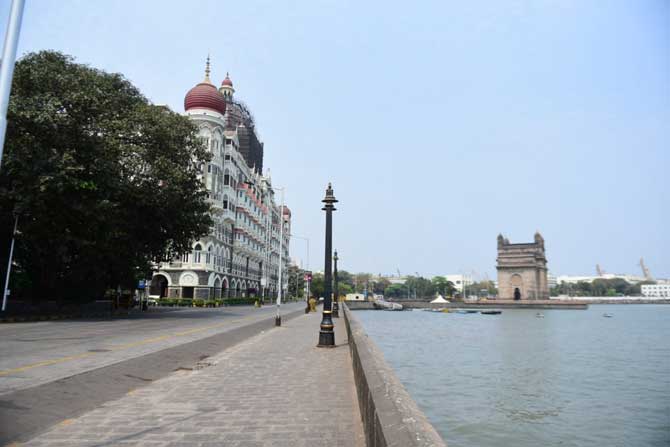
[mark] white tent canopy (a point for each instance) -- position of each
(439, 299)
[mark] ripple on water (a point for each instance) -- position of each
(572, 378)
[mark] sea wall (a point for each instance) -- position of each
(390, 415)
(360, 305)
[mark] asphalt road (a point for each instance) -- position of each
(56, 370)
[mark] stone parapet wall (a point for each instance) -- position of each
(390, 415)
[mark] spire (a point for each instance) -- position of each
(207, 71)
(227, 87)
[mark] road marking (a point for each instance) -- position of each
(118, 347)
(45, 363)
(139, 343)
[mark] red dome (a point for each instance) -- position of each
(227, 81)
(205, 96)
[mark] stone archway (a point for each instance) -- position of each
(517, 283)
(216, 292)
(224, 288)
(159, 286)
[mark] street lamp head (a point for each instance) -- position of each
(335, 258)
(329, 199)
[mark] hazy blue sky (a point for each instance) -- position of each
(439, 123)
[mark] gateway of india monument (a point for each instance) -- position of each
(522, 270)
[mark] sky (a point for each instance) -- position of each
(440, 124)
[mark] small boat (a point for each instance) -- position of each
(445, 311)
(491, 312)
(539, 315)
(606, 315)
(471, 311)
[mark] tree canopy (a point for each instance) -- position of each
(103, 181)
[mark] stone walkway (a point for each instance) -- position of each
(275, 389)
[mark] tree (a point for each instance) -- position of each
(379, 285)
(396, 291)
(444, 286)
(361, 280)
(484, 288)
(296, 281)
(103, 181)
(317, 286)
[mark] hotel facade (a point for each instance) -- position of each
(240, 256)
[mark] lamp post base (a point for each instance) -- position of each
(326, 339)
(277, 320)
(336, 310)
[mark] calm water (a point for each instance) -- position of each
(572, 378)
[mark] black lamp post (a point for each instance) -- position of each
(327, 334)
(336, 291)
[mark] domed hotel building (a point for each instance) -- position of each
(240, 255)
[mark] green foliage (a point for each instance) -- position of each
(482, 289)
(296, 281)
(344, 288)
(317, 287)
(239, 301)
(444, 286)
(600, 287)
(103, 181)
(396, 291)
(198, 303)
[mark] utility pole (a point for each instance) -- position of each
(7, 67)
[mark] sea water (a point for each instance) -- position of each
(572, 378)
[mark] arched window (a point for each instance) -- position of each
(225, 201)
(208, 257)
(196, 253)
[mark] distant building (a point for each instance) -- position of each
(397, 279)
(552, 281)
(656, 290)
(354, 297)
(522, 270)
(459, 281)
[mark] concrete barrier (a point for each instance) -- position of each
(360, 305)
(390, 415)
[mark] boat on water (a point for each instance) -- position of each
(464, 311)
(606, 315)
(386, 305)
(491, 312)
(539, 315)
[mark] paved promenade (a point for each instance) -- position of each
(274, 389)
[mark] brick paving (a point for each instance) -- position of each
(274, 389)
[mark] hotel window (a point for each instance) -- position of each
(196, 253)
